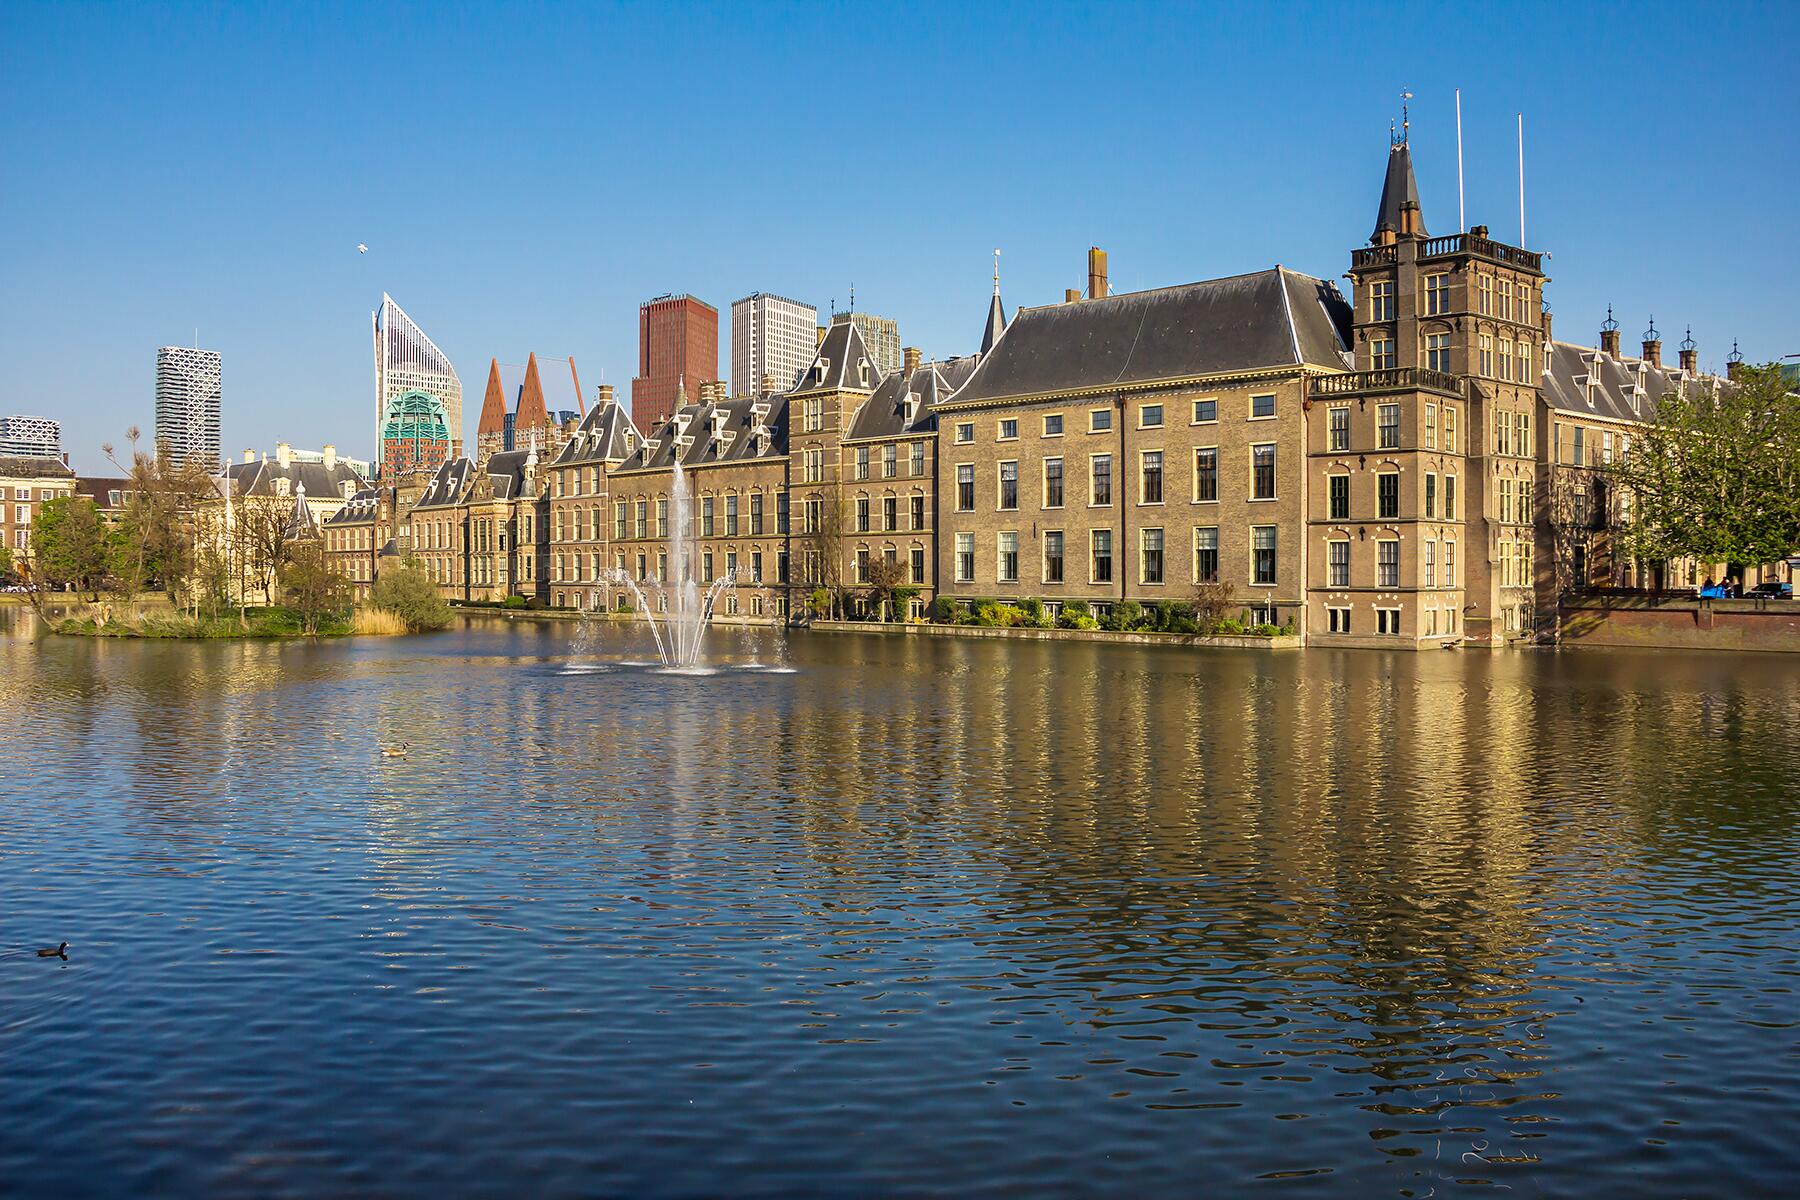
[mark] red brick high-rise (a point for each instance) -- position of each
(678, 338)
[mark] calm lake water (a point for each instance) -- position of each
(915, 917)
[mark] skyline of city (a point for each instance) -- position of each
(1154, 173)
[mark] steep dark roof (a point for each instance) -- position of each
(448, 484)
(1398, 190)
(996, 322)
(1269, 319)
(840, 355)
(507, 475)
(891, 411)
(99, 488)
(359, 509)
(259, 478)
(605, 434)
(736, 421)
(1583, 381)
(31, 466)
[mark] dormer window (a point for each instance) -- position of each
(819, 368)
(862, 371)
(282, 487)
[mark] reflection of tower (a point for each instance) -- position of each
(408, 361)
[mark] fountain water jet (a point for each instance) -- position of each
(687, 610)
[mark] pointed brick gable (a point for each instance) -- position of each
(531, 413)
(493, 405)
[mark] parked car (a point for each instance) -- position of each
(1772, 590)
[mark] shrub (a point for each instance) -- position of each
(821, 603)
(407, 592)
(945, 611)
(513, 601)
(1126, 616)
(1211, 602)
(1032, 611)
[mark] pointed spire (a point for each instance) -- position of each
(493, 405)
(996, 324)
(681, 390)
(1399, 215)
(531, 413)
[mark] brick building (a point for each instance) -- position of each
(678, 344)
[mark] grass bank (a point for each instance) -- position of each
(256, 624)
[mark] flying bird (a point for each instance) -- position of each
(362, 247)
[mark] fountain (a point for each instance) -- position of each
(686, 610)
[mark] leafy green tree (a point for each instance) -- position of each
(1716, 477)
(69, 543)
(313, 590)
(6, 562)
(408, 592)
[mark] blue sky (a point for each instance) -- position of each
(525, 175)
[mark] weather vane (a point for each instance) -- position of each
(1687, 341)
(1736, 355)
(996, 270)
(1609, 324)
(1650, 334)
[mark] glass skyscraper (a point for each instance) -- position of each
(408, 361)
(187, 405)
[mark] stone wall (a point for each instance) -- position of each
(1682, 623)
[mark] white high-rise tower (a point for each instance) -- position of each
(770, 335)
(407, 361)
(187, 404)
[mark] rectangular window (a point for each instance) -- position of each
(1449, 497)
(1485, 294)
(1437, 295)
(813, 417)
(1430, 564)
(1437, 351)
(1449, 564)
(706, 566)
(890, 461)
(918, 459)
(965, 558)
(1381, 300)
(1053, 556)
(1431, 412)
(890, 513)
(862, 565)
(1261, 407)
(1580, 446)
(1387, 495)
(1337, 559)
(918, 512)
(731, 515)
(706, 516)
(1101, 469)
(814, 461)
(1506, 359)
(1053, 425)
(1150, 416)
(1009, 485)
(1387, 564)
(1150, 478)
(781, 516)
(862, 462)
(1006, 547)
(1262, 554)
(1100, 556)
(1205, 411)
(620, 518)
(1430, 497)
(1339, 429)
(1387, 620)
(1099, 420)
(1206, 474)
(965, 487)
(1450, 429)
(965, 432)
(1484, 362)
(862, 514)
(1151, 559)
(1262, 472)
(1506, 297)
(1206, 554)
(1009, 429)
(918, 564)
(643, 517)
(756, 514)
(1387, 426)
(1339, 619)
(1338, 487)
(1381, 354)
(1053, 483)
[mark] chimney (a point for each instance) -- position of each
(821, 341)
(284, 454)
(1097, 289)
(249, 455)
(1609, 341)
(605, 395)
(1410, 224)
(1479, 231)
(1547, 337)
(1071, 295)
(330, 457)
(1690, 353)
(768, 383)
(912, 357)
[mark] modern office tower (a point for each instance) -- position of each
(678, 341)
(187, 404)
(770, 336)
(880, 334)
(406, 361)
(30, 437)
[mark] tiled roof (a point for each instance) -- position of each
(744, 429)
(448, 484)
(1587, 382)
(1268, 319)
(605, 434)
(905, 403)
